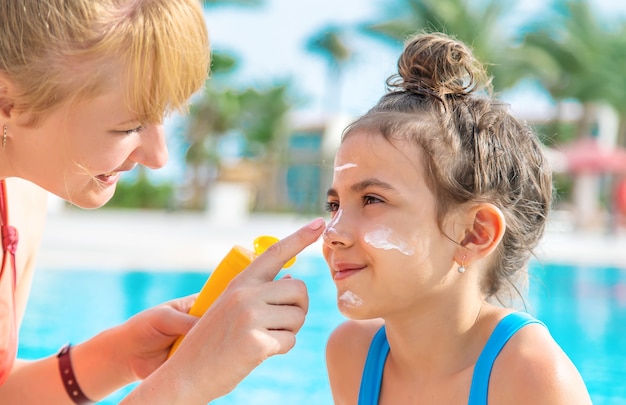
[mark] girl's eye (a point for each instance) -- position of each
(332, 206)
(370, 199)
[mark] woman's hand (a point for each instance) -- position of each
(148, 336)
(254, 318)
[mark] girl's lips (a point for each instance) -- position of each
(342, 272)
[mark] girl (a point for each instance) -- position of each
(438, 197)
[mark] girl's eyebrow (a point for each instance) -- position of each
(363, 185)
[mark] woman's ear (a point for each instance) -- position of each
(484, 233)
(6, 96)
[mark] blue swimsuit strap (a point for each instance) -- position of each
(505, 329)
(371, 380)
(372, 377)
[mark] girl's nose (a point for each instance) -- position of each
(152, 152)
(337, 233)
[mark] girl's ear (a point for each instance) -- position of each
(484, 233)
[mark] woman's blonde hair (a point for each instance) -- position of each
(53, 51)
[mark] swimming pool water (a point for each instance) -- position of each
(585, 310)
(584, 307)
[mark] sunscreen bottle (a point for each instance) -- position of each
(232, 264)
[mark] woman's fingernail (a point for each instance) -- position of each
(316, 224)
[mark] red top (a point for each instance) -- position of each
(8, 324)
(620, 196)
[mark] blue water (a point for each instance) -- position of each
(584, 307)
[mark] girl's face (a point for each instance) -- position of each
(79, 151)
(383, 245)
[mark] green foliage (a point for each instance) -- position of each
(555, 132)
(576, 60)
(576, 55)
(142, 194)
(214, 114)
(258, 113)
(263, 113)
(223, 62)
(330, 43)
(616, 80)
(478, 24)
(563, 188)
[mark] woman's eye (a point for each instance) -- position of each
(134, 130)
(370, 199)
(332, 206)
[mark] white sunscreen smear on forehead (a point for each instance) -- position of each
(381, 238)
(351, 299)
(344, 167)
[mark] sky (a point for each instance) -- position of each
(271, 44)
(270, 41)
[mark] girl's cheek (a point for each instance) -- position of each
(382, 237)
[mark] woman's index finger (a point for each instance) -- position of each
(269, 263)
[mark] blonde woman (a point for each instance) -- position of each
(84, 88)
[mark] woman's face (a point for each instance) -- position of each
(383, 245)
(78, 151)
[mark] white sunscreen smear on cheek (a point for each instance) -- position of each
(344, 167)
(382, 239)
(351, 299)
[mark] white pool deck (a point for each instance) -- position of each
(144, 240)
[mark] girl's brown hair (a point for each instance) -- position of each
(475, 150)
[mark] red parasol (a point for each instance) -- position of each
(588, 156)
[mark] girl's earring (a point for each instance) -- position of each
(461, 268)
(4, 136)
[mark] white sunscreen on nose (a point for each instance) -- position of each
(350, 299)
(344, 167)
(382, 238)
(333, 222)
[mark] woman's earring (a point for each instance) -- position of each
(4, 137)
(461, 268)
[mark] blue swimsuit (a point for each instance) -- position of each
(379, 349)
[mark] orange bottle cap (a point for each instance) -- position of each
(263, 242)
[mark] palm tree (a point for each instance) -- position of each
(574, 58)
(580, 57)
(479, 24)
(257, 114)
(331, 44)
(213, 113)
(616, 82)
(263, 123)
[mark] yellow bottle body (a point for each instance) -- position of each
(237, 259)
(232, 264)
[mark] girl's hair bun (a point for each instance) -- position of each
(438, 65)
